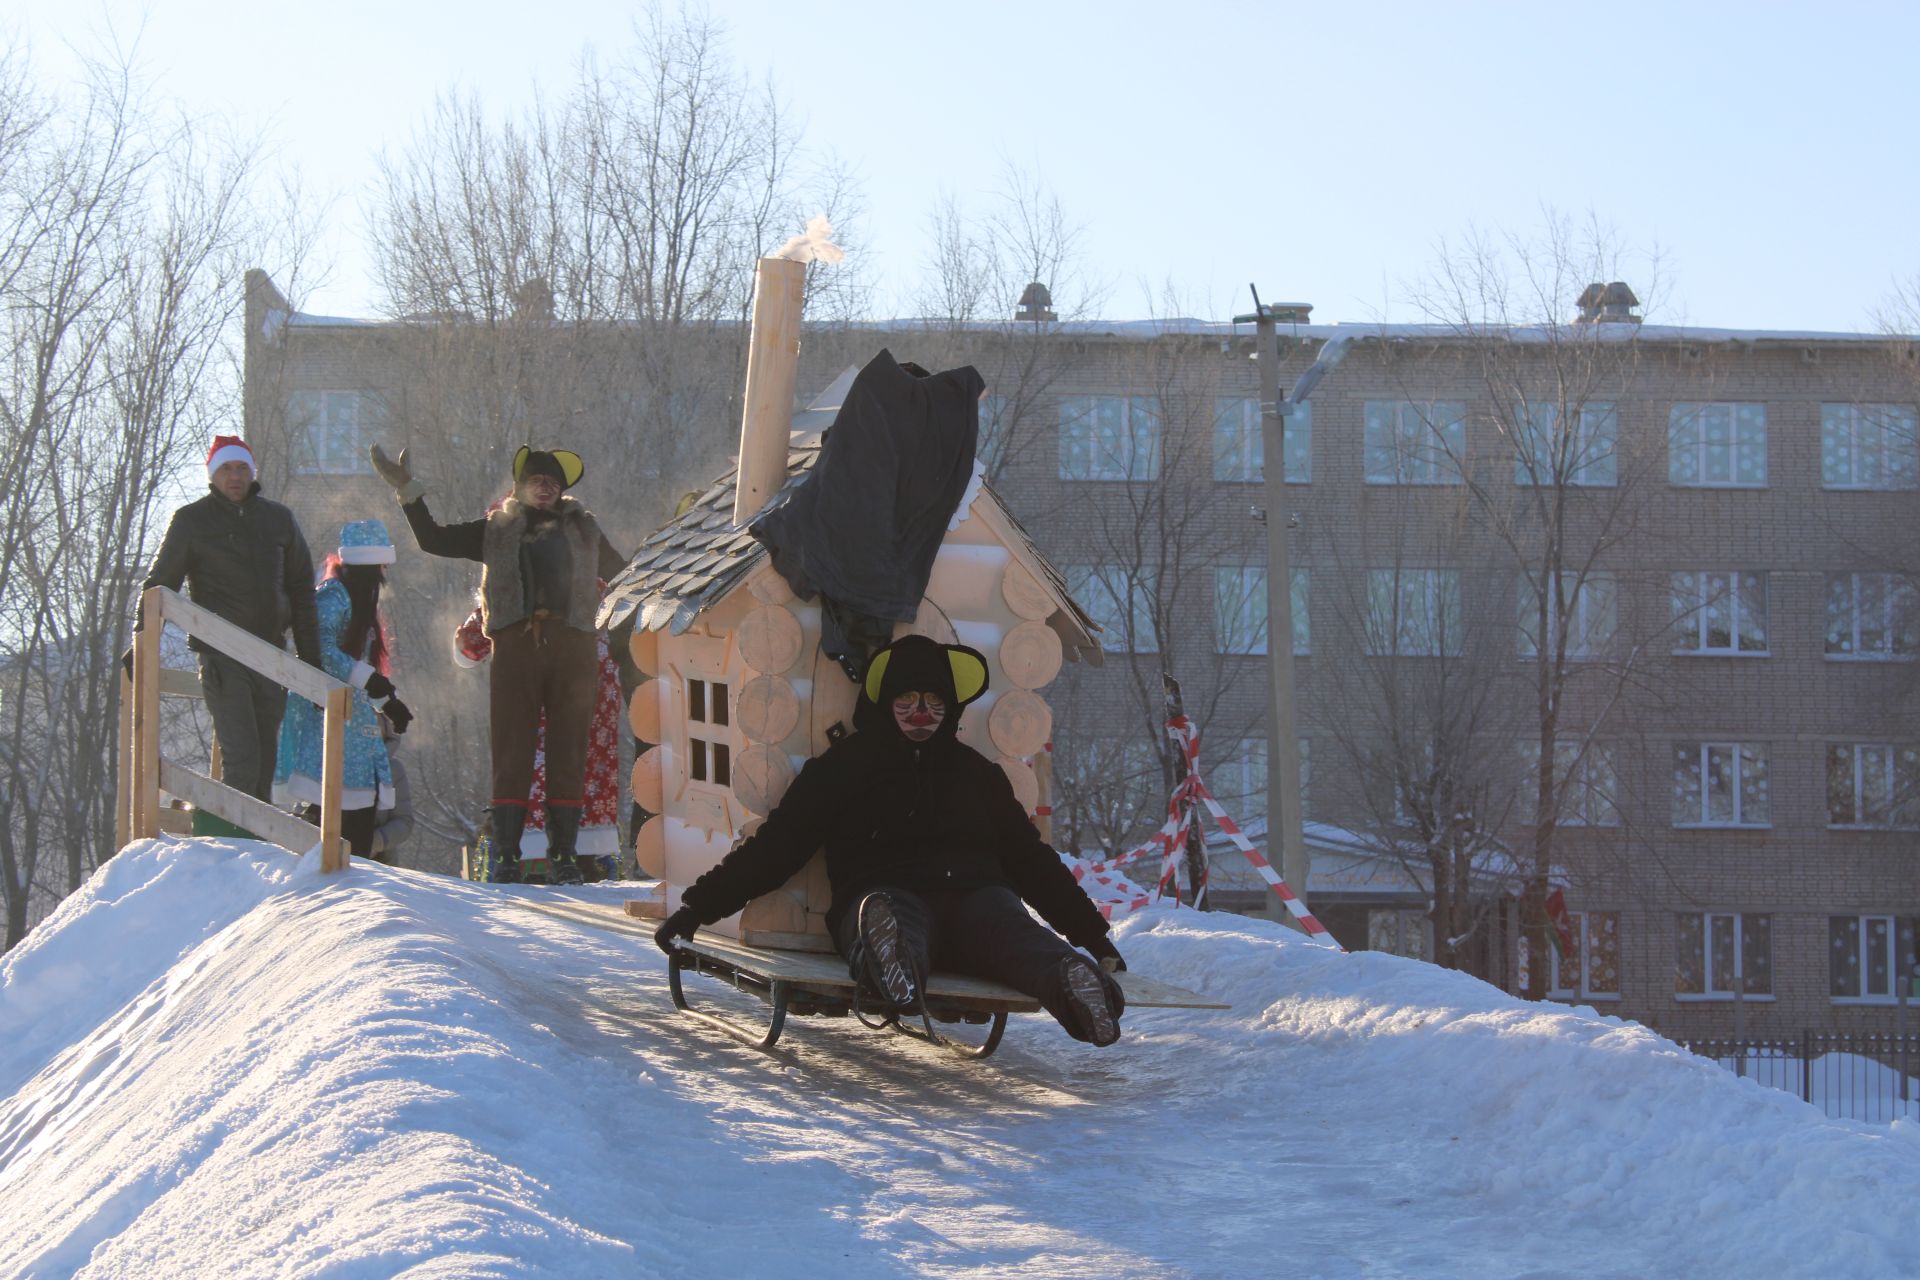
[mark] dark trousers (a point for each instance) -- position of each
(356, 828)
(246, 708)
(980, 933)
(546, 667)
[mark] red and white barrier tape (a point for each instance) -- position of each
(1106, 888)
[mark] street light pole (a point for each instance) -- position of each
(1284, 818)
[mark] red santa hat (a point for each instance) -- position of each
(229, 449)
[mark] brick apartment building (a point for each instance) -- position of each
(1735, 762)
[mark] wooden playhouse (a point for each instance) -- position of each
(740, 695)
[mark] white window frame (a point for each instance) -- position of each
(1428, 444)
(1899, 950)
(1741, 758)
(1440, 601)
(1898, 623)
(1557, 989)
(1845, 429)
(1711, 922)
(1594, 604)
(1590, 779)
(317, 418)
(1239, 441)
(1690, 432)
(1696, 593)
(1899, 768)
(1104, 590)
(1133, 454)
(710, 748)
(1594, 461)
(1240, 609)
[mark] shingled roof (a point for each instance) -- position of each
(694, 560)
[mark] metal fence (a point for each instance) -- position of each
(1853, 1076)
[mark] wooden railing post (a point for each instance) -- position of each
(333, 856)
(145, 822)
(123, 776)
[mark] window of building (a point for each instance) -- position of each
(1720, 613)
(1871, 617)
(1868, 446)
(1588, 604)
(709, 751)
(1239, 780)
(1715, 950)
(1109, 438)
(1400, 932)
(1120, 601)
(1415, 442)
(1239, 442)
(1592, 971)
(1868, 956)
(1873, 784)
(330, 431)
(1717, 445)
(1586, 455)
(1414, 612)
(1721, 784)
(1585, 782)
(1240, 609)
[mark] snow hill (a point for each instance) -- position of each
(213, 1062)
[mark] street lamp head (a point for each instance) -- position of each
(1332, 352)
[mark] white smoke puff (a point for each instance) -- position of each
(815, 244)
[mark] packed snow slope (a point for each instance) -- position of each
(215, 1062)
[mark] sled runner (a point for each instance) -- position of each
(813, 984)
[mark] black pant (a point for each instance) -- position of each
(246, 708)
(980, 933)
(356, 828)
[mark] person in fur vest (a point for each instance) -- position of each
(598, 850)
(542, 557)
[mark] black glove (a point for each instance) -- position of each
(397, 713)
(378, 687)
(1107, 954)
(680, 924)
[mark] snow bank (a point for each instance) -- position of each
(214, 1062)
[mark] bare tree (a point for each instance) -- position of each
(122, 236)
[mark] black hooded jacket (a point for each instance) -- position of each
(893, 813)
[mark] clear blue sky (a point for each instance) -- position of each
(1767, 150)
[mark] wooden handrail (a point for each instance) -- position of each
(143, 772)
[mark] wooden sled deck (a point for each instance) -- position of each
(816, 984)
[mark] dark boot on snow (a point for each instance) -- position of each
(503, 845)
(563, 838)
(881, 965)
(1093, 1000)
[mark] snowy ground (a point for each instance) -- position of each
(215, 1063)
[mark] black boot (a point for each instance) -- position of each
(563, 837)
(1094, 1001)
(503, 852)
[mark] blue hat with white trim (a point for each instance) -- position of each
(365, 542)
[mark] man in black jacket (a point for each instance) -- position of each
(929, 854)
(243, 558)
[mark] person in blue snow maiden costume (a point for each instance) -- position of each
(353, 648)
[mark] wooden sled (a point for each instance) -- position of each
(811, 984)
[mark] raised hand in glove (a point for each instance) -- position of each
(398, 473)
(1108, 955)
(398, 714)
(680, 924)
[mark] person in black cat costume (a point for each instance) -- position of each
(931, 858)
